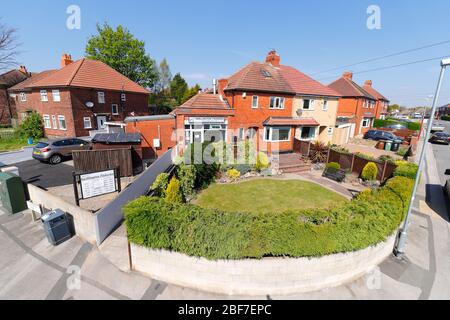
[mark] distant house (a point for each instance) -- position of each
(382, 102)
(444, 110)
(7, 104)
(356, 104)
(80, 98)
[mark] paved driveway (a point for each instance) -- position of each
(45, 175)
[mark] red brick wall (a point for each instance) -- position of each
(149, 131)
(354, 106)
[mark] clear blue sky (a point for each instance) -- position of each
(206, 39)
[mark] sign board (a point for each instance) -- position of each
(206, 120)
(97, 183)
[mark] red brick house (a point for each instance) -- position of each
(382, 102)
(80, 97)
(7, 104)
(267, 102)
(356, 104)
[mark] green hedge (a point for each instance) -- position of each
(406, 169)
(445, 118)
(213, 234)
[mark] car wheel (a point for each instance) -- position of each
(55, 159)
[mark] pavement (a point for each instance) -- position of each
(8, 158)
(31, 268)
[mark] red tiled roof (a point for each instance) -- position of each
(290, 121)
(88, 73)
(31, 80)
(302, 84)
(261, 77)
(375, 93)
(205, 103)
(12, 77)
(348, 88)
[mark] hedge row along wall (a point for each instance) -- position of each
(367, 220)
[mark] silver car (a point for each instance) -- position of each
(54, 151)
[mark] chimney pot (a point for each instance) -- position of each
(348, 75)
(23, 69)
(368, 83)
(66, 59)
(273, 58)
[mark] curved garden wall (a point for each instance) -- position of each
(259, 277)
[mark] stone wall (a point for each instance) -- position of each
(259, 277)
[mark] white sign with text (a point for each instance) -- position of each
(97, 183)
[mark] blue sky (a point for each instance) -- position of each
(206, 39)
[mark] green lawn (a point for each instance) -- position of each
(12, 144)
(268, 195)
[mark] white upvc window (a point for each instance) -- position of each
(47, 122)
(55, 123)
(115, 109)
(87, 122)
(123, 97)
(56, 95)
(308, 104)
(62, 122)
(366, 123)
(330, 131)
(308, 133)
(44, 96)
(241, 134)
(276, 103)
(254, 102)
(23, 96)
(277, 134)
(101, 97)
(325, 105)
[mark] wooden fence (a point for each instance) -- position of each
(98, 160)
(349, 161)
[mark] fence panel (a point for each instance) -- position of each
(98, 160)
(110, 217)
(301, 147)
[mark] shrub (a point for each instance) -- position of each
(243, 168)
(445, 118)
(159, 186)
(370, 172)
(402, 151)
(380, 123)
(31, 126)
(367, 220)
(173, 191)
(233, 174)
(406, 169)
(365, 156)
(205, 168)
(333, 165)
(413, 126)
(386, 157)
(318, 152)
(187, 174)
(339, 149)
(262, 161)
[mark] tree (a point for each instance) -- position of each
(164, 76)
(190, 93)
(31, 126)
(178, 88)
(123, 52)
(8, 46)
(393, 107)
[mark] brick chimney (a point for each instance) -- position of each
(66, 59)
(222, 84)
(273, 58)
(368, 83)
(23, 69)
(348, 75)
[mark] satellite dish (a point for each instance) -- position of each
(299, 112)
(89, 104)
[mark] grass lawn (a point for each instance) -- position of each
(268, 195)
(12, 144)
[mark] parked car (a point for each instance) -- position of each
(54, 151)
(440, 137)
(381, 135)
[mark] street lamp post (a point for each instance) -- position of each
(399, 249)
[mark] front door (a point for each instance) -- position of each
(101, 122)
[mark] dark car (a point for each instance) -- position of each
(381, 135)
(440, 137)
(54, 151)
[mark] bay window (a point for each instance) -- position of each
(307, 133)
(276, 134)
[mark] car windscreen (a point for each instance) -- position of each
(41, 145)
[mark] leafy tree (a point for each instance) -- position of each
(31, 126)
(123, 52)
(190, 93)
(178, 88)
(393, 107)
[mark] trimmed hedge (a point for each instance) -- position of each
(406, 169)
(213, 234)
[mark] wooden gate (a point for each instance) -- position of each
(99, 160)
